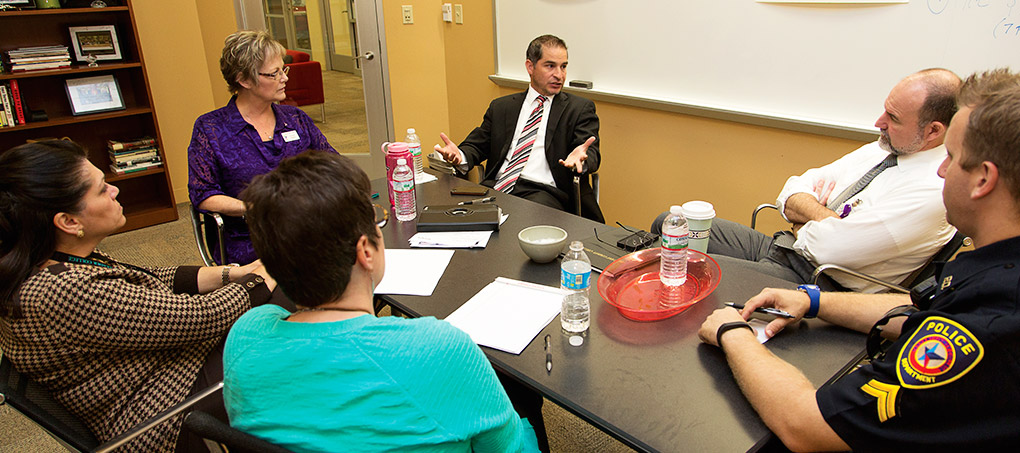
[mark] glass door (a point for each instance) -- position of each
(341, 35)
(288, 23)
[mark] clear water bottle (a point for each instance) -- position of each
(575, 276)
(673, 263)
(403, 191)
(414, 146)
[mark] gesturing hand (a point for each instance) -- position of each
(577, 157)
(449, 150)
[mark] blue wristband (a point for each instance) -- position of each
(814, 293)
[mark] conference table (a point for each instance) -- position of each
(652, 385)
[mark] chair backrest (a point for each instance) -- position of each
(944, 254)
(235, 441)
(36, 403)
(208, 229)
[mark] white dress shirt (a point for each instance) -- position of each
(894, 225)
(537, 168)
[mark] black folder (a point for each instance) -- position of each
(475, 217)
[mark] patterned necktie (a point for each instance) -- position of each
(857, 187)
(506, 181)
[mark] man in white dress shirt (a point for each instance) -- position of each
(886, 224)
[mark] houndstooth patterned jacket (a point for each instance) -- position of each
(118, 345)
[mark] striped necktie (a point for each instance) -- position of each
(857, 187)
(506, 181)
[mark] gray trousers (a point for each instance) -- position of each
(746, 248)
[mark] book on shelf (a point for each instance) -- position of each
(3, 116)
(135, 168)
(19, 111)
(131, 154)
(5, 98)
(122, 161)
(34, 58)
(127, 145)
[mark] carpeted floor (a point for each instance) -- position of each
(173, 243)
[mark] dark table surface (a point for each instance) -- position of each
(653, 385)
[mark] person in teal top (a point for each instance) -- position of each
(332, 376)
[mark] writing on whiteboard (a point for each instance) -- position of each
(1007, 25)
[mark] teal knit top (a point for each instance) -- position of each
(366, 384)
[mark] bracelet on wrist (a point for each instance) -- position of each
(730, 326)
(814, 294)
(226, 272)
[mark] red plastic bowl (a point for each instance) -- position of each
(631, 284)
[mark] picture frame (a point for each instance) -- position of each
(94, 94)
(96, 40)
(17, 2)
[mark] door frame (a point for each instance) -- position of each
(371, 37)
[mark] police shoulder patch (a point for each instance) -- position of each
(940, 351)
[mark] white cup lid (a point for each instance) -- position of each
(699, 210)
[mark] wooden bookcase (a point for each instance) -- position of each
(146, 196)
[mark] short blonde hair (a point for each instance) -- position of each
(244, 53)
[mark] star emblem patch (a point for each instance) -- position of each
(940, 351)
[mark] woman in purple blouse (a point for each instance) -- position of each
(246, 138)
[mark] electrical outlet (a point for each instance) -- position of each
(458, 13)
(407, 11)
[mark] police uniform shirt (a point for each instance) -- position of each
(951, 381)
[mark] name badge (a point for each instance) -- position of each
(290, 136)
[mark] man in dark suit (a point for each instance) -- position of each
(534, 143)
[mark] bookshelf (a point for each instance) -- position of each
(146, 195)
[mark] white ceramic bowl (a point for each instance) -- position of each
(542, 243)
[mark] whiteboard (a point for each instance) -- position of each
(826, 64)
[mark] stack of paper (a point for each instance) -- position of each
(413, 272)
(507, 314)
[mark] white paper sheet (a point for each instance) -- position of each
(413, 272)
(507, 314)
(450, 239)
(759, 329)
(424, 178)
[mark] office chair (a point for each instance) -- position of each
(35, 402)
(208, 227)
(924, 272)
(577, 190)
(220, 437)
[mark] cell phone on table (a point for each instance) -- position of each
(471, 191)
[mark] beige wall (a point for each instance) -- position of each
(418, 70)
(651, 159)
(438, 78)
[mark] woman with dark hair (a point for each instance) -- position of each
(247, 137)
(114, 343)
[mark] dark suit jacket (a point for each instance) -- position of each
(572, 120)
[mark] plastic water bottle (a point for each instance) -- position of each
(403, 191)
(575, 276)
(673, 263)
(414, 146)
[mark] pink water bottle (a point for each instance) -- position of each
(394, 151)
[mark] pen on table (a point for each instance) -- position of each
(375, 195)
(548, 356)
(478, 201)
(767, 311)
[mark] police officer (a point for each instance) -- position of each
(948, 380)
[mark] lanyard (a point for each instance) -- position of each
(96, 259)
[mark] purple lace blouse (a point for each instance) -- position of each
(226, 153)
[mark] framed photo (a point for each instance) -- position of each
(94, 94)
(99, 41)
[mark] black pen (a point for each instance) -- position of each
(767, 311)
(480, 200)
(548, 356)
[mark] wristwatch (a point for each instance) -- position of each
(226, 272)
(814, 293)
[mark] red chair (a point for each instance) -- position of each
(305, 84)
